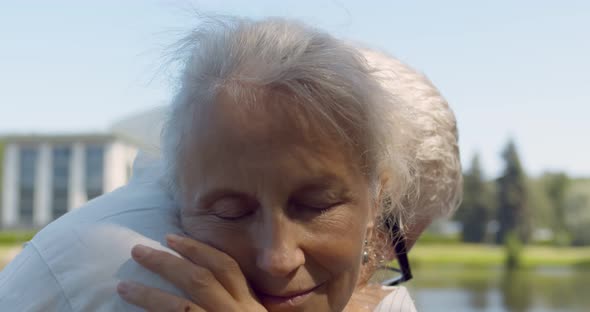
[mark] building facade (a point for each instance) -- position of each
(47, 176)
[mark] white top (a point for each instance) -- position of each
(398, 300)
(76, 262)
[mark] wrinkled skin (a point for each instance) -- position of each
(285, 212)
(292, 207)
(212, 280)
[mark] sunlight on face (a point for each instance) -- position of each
(291, 209)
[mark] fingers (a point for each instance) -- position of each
(196, 281)
(225, 269)
(152, 299)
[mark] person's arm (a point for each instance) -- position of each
(28, 285)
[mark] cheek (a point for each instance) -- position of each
(336, 246)
(230, 238)
(336, 240)
(214, 232)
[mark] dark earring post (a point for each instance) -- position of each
(401, 254)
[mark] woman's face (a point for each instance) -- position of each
(291, 209)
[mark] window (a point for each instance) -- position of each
(94, 170)
(28, 167)
(61, 179)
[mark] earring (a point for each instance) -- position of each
(365, 253)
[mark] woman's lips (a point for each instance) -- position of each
(288, 300)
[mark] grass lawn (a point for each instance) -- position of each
(7, 252)
(457, 254)
(11, 243)
(474, 255)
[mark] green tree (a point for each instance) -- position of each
(512, 195)
(556, 187)
(577, 212)
(476, 207)
(1, 171)
(539, 204)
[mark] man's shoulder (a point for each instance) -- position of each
(139, 206)
(27, 284)
(88, 250)
(88, 261)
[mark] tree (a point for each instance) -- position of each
(577, 211)
(556, 187)
(539, 206)
(476, 207)
(512, 194)
(1, 173)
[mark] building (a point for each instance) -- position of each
(45, 176)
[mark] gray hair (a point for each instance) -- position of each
(328, 79)
(433, 146)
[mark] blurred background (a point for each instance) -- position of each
(83, 85)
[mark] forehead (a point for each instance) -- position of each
(270, 118)
(247, 142)
(256, 118)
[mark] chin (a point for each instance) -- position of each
(314, 299)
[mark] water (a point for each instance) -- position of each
(493, 290)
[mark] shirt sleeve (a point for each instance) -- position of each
(398, 300)
(27, 284)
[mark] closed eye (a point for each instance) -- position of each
(319, 198)
(316, 206)
(231, 208)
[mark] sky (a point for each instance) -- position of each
(510, 69)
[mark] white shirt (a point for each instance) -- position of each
(398, 300)
(76, 262)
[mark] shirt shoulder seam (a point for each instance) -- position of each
(32, 244)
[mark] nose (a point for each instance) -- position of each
(279, 250)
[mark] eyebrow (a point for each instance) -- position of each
(322, 183)
(318, 183)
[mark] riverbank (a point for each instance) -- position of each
(7, 253)
(455, 254)
(476, 255)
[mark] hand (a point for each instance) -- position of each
(212, 279)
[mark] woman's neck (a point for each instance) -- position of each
(366, 298)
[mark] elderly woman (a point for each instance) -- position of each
(290, 164)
